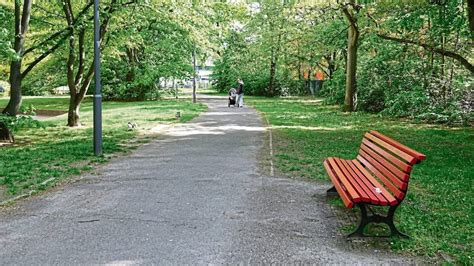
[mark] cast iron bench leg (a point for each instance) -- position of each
(389, 221)
(375, 218)
(332, 192)
(364, 220)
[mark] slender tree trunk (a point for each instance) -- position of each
(351, 65)
(22, 20)
(194, 77)
(470, 17)
(309, 81)
(271, 84)
(351, 70)
(273, 64)
(331, 59)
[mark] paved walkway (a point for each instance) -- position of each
(194, 197)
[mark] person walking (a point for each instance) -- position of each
(240, 93)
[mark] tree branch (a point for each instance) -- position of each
(71, 58)
(451, 54)
(58, 33)
(25, 17)
(41, 57)
(349, 17)
(81, 66)
(48, 12)
(43, 43)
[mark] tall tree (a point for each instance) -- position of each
(350, 11)
(79, 80)
(22, 21)
(39, 49)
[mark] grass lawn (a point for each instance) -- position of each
(46, 103)
(438, 210)
(58, 151)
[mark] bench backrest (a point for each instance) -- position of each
(389, 161)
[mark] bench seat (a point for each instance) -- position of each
(355, 185)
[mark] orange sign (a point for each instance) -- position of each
(319, 75)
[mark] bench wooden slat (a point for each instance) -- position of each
(386, 165)
(354, 181)
(345, 182)
(390, 198)
(395, 190)
(385, 196)
(393, 159)
(365, 185)
(372, 163)
(405, 156)
(398, 145)
(342, 193)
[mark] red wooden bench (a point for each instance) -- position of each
(377, 177)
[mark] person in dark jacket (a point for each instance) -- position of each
(240, 93)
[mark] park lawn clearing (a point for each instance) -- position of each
(437, 212)
(58, 103)
(57, 151)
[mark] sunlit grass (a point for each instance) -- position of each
(438, 211)
(59, 151)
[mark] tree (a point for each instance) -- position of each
(80, 80)
(39, 50)
(22, 21)
(350, 11)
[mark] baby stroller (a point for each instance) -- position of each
(232, 97)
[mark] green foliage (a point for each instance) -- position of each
(394, 78)
(15, 123)
(153, 48)
(6, 51)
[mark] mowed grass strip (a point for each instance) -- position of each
(58, 151)
(438, 210)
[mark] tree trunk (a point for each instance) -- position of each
(13, 106)
(351, 65)
(194, 77)
(273, 65)
(351, 69)
(271, 84)
(73, 112)
(470, 17)
(79, 82)
(22, 20)
(5, 134)
(331, 65)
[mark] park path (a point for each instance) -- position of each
(194, 196)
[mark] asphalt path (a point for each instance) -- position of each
(194, 196)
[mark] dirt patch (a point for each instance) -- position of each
(50, 112)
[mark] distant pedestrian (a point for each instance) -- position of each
(240, 93)
(232, 97)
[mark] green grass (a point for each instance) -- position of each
(45, 103)
(58, 151)
(211, 91)
(438, 210)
